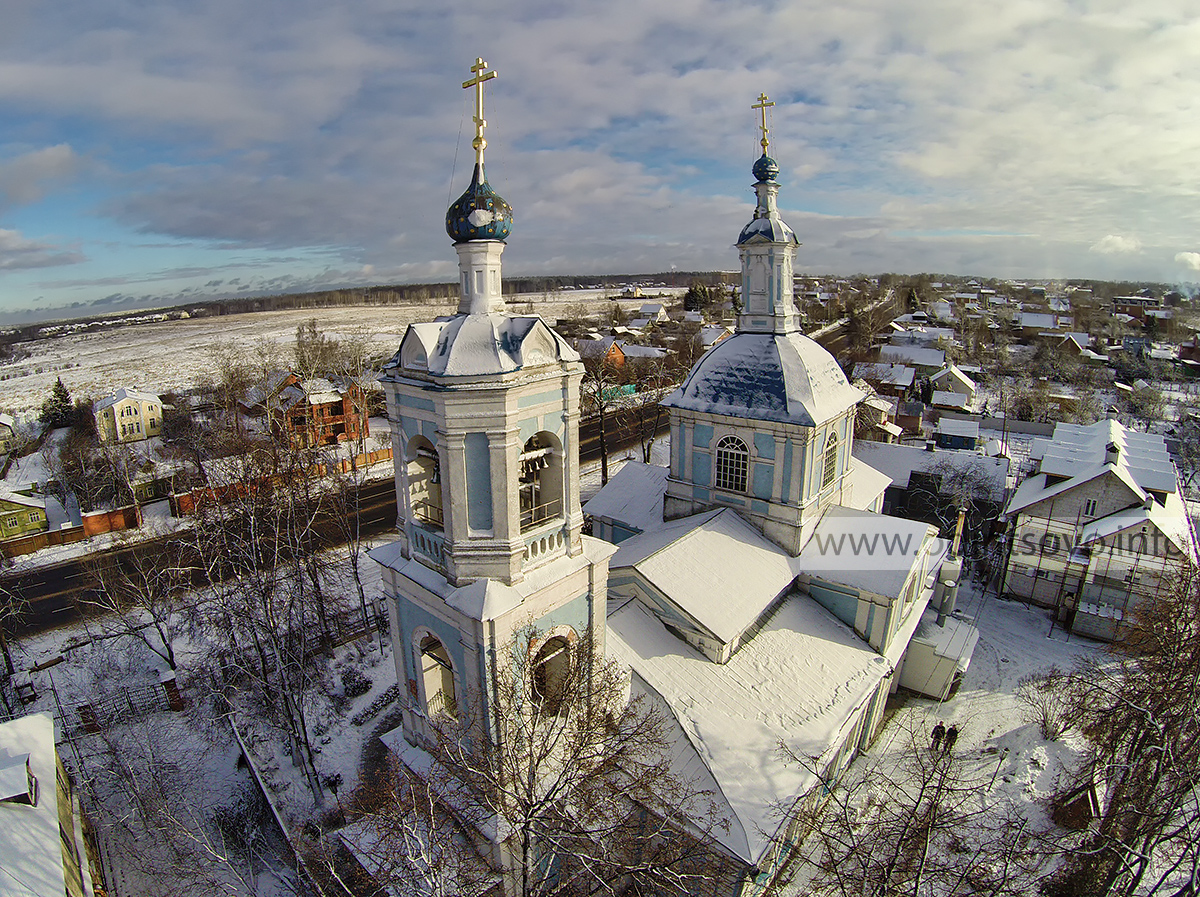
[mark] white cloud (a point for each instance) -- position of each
(1116, 243)
(25, 178)
(622, 133)
(1189, 259)
(17, 251)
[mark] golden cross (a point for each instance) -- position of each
(761, 105)
(479, 70)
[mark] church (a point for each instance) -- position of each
(753, 591)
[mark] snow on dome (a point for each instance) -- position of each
(762, 376)
(480, 213)
(772, 229)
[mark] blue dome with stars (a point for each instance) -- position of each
(765, 169)
(480, 213)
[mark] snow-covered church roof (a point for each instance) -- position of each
(764, 376)
(799, 682)
(472, 345)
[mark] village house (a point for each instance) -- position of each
(311, 412)
(43, 844)
(128, 415)
(876, 418)
(1099, 526)
(1135, 306)
(888, 379)
(21, 514)
(607, 349)
(653, 312)
(320, 412)
(952, 433)
(925, 360)
(952, 378)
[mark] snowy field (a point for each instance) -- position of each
(175, 355)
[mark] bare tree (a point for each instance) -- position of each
(600, 394)
(149, 794)
(576, 777)
(13, 606)
(1139, 709)
(1146, 404)
(140, 593)
(258, 540)
(926, 826)
(643, 413)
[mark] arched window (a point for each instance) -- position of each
(551, 672)
(830, 471)
(437, 674)
(733, 461)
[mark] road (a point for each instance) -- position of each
(52, 592)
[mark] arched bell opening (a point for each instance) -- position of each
(540, 480)
(424, 475)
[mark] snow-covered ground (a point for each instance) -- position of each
(998, 742)
(176, 355)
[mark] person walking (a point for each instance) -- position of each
(951, 737)
(939, 732)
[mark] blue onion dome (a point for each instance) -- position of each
(766, 168)
(480, 213)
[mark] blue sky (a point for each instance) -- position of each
(153, 153)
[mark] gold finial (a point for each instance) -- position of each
(761, 106)
(479, 70)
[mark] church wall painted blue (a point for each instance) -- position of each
(411, 617)
(479, 482)
(787, 470)
(764, 479)
(841, 602)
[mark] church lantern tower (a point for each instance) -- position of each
(764, 421)
(767, 247)
(484, 409)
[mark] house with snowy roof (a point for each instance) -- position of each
(876, 417)
(924, 359)
(711, 334)
(887, 379)
(606, 349)
(21, 514)
(752, 591)
(42, 839)
(128, 415)
(952, 378)
(955, 433)
(653, 312)
(1099, 526)
(1076, 344)
(316, 411)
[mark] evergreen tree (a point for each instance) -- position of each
(57, 410)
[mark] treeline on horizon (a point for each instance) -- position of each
(447, 292)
